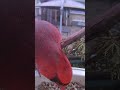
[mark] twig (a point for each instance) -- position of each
(73, 38)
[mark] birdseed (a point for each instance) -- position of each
(53, 86)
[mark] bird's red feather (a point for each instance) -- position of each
(49, 57)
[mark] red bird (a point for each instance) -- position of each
(49, 58)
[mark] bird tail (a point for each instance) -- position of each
(65, 70)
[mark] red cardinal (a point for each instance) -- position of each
(49, 57)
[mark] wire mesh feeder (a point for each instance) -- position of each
(53, 86)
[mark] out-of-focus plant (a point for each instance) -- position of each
(108, 53)
(108, 46)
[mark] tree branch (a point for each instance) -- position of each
(96, 26)
(102, 23)
(73, 38)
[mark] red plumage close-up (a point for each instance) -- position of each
(50, 60)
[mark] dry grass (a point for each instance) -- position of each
(76, 49)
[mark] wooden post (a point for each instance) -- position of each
(55, 16)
